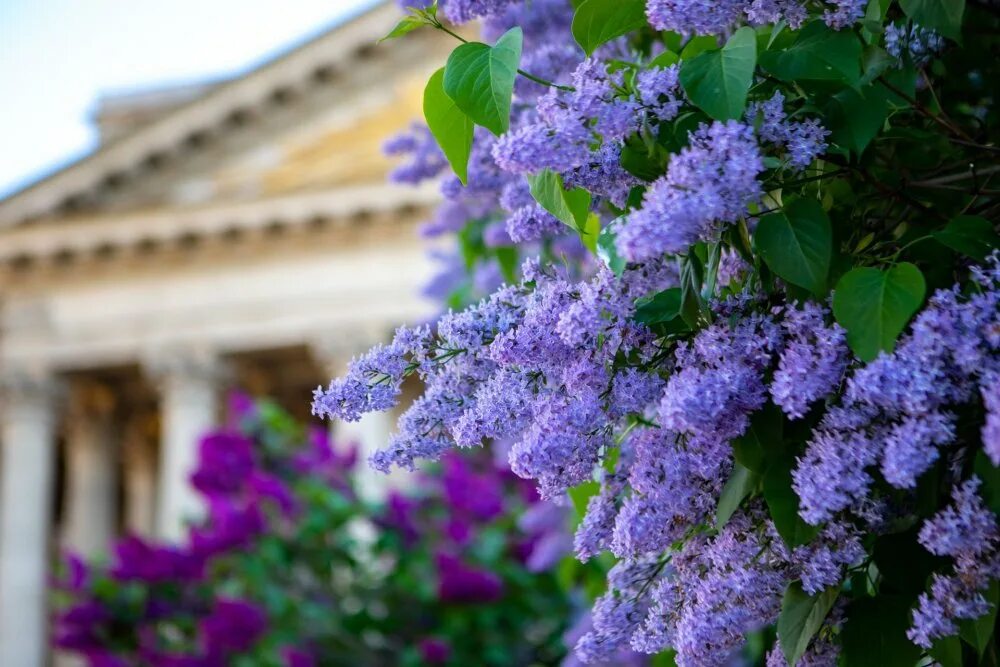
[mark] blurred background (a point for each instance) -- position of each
(192, 200)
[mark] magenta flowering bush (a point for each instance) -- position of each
(290, 568)
(740, 296)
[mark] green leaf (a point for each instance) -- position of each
(664, 60)
(451, 128)
(597, 22)
(648, 163)
(945, 16)
(783, 504)
(507, 260)
(480, 78)
(580, 495)
(977, 632)
(763, 439)
(801, 617)
(855, 117)
(796, 244)
(875, 633)
(717, 81)
(590, 232)
(570, 206)
(875, 306)
(947, 651)
(970, 235)
(904, 563)
(990, 476)
(698, 45)
(607, 251)
(661, 307)
(818, 53)
(406, 25)
(690, 278)
(741, 484)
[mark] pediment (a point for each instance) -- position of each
(311, 120)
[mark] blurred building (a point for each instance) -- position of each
(234, 233)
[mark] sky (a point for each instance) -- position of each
(58, 56)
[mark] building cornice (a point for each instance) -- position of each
(81, 238)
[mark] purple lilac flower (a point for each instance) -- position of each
(812, 362)
(372, 383)
(844, 13)
(895, 409)
(919, 43)
(966, 531)
(463, 11)
(233, 626)
(426, 161)
(458, 582)
(804, 140)
(434, 651)
(225, 461)
(708, 183)
(911, 446)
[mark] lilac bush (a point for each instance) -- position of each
(291, 568)
(749, 319)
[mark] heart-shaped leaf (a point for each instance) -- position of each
(717, 81)
(450, 126)
(796, 243)
(874, 306)
(597, 22)
(818, 53)
(801, 617)
(480, 79)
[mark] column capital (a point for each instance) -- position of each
(90, 399)
(34, 384)
(188, 361)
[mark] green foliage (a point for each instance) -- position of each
(570, 206)
(971, 235)
(480, 79)
(597, 22)
(945, 16)
(801, 617)
(607, 252)
(875, 633)
(875, 305)
(741, 484)
(451, 128)
(717, 81)
(783, 504)
(816, 54)
(797, 243)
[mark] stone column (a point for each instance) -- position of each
(27, 437)
(139, 476)
(188, 405)
(372, 431)
(92, 452)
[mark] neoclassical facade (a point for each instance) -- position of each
(237, 233)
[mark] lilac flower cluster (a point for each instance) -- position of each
(918, 44)
(691, 17)
(967, 532)
(708, 183)
(804, 140)
(895, 411)
(558, 368)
